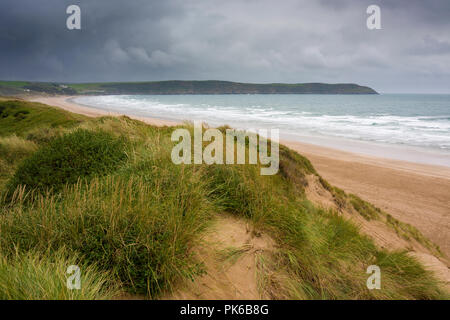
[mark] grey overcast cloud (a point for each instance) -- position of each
(248, 41)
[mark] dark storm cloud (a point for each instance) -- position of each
(252, 40)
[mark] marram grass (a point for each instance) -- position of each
(36, 275)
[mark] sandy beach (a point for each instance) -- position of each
(418, 194)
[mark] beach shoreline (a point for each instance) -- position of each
(415, 193)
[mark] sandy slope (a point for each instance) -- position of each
(414, 193)
(230, 252)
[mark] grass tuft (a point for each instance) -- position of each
(43, 276)
(64, 160)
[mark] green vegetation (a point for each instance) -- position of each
(13, 149)
(26, 87)
(220, 87)
(365, 209)
(138, 218)
(182, 87)
(135, 227)
(42, 276)
(66, 159)
(231, 254)
(20, 117)
(409, 232)
(17, 84)
(322, 255)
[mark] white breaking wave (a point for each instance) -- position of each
(414, 130)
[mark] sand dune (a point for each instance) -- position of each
(414, 193)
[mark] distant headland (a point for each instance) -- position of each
(179, 87)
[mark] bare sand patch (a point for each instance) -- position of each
(229, 252)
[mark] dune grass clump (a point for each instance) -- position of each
(43, 276)
(407, 231)
(406, 277)
(42, 136)
(365, 209)
(13, 149)
(64, 160)
(139, 227)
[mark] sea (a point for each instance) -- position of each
(411, 127)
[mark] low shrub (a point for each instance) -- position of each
(64, 160)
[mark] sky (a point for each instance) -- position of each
(259, 41)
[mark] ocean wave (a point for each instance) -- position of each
(418, 130)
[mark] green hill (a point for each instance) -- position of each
(181, 87)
